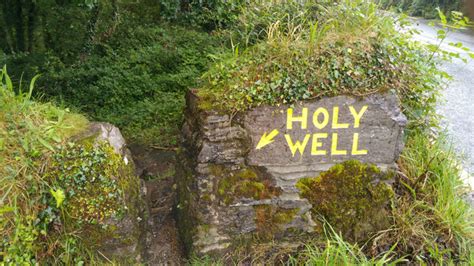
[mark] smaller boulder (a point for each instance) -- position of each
(100, 154)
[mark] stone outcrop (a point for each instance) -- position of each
(238, 174)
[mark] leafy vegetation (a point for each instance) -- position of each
(138, 83)
(47, 182)
(128, 70)
(431, 220)
(306, 59)
(209, 15)
(90, 192)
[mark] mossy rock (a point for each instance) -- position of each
(247, 183)
(102, 201)
(352, 197)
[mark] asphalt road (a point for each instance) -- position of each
(457, 106)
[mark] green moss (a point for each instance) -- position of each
(352, 197)
(246, 183)
(100, 190)
(206, 197)
(93, 180)
(204, 228)
(270, 220)
(205, 101)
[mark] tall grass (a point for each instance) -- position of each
(432, 221)
(336, 251)
(315, 50)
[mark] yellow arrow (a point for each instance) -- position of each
(267, 139)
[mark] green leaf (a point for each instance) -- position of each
(8, 81)
(32, 85)
(432, 47)
(45, 143)
(441, 34)
(6, 209)
(441, 15)
(59, 196)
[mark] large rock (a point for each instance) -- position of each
(106, 132)
(118, 237)
(241, 175)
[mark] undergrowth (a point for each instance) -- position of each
(28, 133)
(347, 48)
(52, 192)
(136, 79)
(431, 220)
(336, 251)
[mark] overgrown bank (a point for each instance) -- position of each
(62, 200)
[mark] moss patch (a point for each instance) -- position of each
(270, 220)
(99, 190)
(246, 183)
(352, 197)
(89, 176)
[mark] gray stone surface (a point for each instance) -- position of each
(380, 131)
(102, 131)
(217, 146)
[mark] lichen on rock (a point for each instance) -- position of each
(353, 198)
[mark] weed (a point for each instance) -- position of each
(336, 251)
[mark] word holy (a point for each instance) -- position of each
(321, 119)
